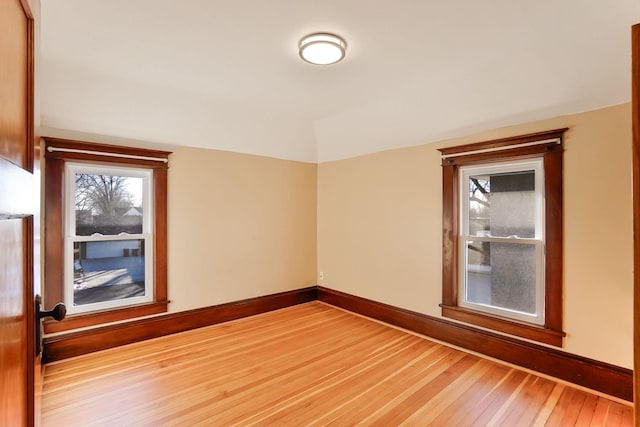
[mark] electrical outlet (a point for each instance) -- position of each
(321, 275)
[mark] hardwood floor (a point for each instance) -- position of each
(310, 364)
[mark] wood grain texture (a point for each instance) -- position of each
(477, 318)
(554, 252)
(635, 107)
(53, 232)
(107, 316)
(82, 342)
(310, 365)
(552, 154)
(596, 375)
(503, 142)
(54, 228)
(19, 190)
(104, 148)
(450, 220)
(13, 329)
(16, 68)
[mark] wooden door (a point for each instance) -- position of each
(19, 207)
(635, 107)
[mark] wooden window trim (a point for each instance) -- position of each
(54, 228)
(550, 149)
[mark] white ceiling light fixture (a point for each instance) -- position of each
(322, 48)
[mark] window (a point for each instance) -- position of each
(108, 239)
(105, 232)
(502, 235)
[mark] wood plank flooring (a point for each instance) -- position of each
(310, 365)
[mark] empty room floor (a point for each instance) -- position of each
(310, 365)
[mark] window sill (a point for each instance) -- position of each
(83, 320)
(508, 326)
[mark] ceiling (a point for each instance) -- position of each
(225, 74)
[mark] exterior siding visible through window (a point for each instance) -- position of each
(502, 235)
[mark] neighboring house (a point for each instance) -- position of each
(133, 211)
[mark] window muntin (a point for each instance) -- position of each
(501, 240)
(108, 237)
(545, 145)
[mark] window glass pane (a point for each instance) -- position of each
(108, 271)
(108, 204)
(501, 275)
(502, 204)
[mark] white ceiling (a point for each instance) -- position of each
(226, 74)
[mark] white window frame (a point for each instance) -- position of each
(147, 234)
(538, 241)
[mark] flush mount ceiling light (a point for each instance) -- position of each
(322, 48)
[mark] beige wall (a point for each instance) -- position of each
(240, 226)
(380, 215)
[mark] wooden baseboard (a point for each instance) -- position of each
(72, 344)
(606, 378)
